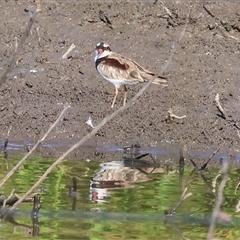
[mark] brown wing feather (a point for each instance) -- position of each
(118, 67)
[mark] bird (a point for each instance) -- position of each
(120, 70)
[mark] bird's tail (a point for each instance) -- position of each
(148, 76)
(160, 80)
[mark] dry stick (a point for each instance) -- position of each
(224, 115)
(182, 198)
(68, 51)
(174, 44)
(220, 108)
(16, 167)
(166, 9)
(236, 188)
(238, 206)
(38, 3)
(100, 125)
(20, 46)
(219, 201)
(9, 197)
(171, 115)
(218, 27)
(205, 164)
(16, 48)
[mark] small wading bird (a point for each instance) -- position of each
(120, 70)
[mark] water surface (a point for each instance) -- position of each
(118, 202)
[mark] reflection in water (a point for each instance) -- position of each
(138, 199)
(118, 174)
(8, 216)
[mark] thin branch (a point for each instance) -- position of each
(16, 167)
(205, 164)
(33, 15)
(224, 115)
(171, 115)
(165, 8)
(182, 198)
(236, 188)
(238, 206)
(68, 51)
(218, 26)
(175, 44)
(9, 197)
(216, 210)
(220, 108)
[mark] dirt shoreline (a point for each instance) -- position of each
(205, 63)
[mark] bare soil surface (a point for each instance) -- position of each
(206, 63)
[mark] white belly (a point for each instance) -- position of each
(117, 82)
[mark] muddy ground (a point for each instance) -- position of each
(206, 62)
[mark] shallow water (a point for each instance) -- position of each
(118, 202)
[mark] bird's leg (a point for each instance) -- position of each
(125, 95)
(115, 97)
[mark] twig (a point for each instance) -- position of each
(181, 166)
(16, 167)
(12, 200)
(103, 17)
(9, 197)
(9, 130)
(224, 116)
(175, 44)
(6, 141)
(208, 11)
(34, 215)
(182, 198)
(16, 48)
(220, 108)
(217, 26)
(36, 205)
(101, 124)
(214, 181)
(236, 188)
(5, 145)
(73, 192)
(68, 51)
(38, 3)
(232, 37)
(184, 195)
(171, 115)
(166, 9)
(20, 46)
(216, 210)
(238, 206)
(38, 33)
(205, 164)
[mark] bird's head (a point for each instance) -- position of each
(102, 50)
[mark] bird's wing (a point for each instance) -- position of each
(115, 66)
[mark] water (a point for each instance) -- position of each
(118, 202)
